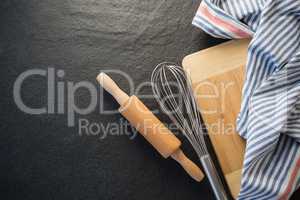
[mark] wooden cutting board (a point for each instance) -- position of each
(217, 75)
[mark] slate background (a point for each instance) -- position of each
(43, 158)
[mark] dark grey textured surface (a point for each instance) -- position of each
(43, 158)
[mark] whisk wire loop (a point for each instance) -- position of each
(173, 91)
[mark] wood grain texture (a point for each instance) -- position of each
(217, 74)
(233, 179)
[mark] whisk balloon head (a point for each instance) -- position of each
(173, 90)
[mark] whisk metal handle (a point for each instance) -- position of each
(213, 177)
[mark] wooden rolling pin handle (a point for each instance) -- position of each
(110, 86)
(191, 168)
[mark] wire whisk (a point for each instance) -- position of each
(173, 91)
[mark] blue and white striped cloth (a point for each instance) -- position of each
(270, 112)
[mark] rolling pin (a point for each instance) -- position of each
(161, 138)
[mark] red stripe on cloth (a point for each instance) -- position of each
(203, 10)
(289, 188)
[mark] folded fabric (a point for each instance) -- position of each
(270, 112)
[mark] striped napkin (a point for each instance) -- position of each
(270, 112)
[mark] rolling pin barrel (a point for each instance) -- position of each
(150, 127)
